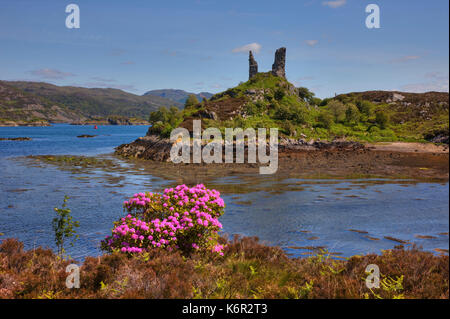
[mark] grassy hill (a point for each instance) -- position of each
(178, 96)
(270, 101)
(21, 108)
(95, 102)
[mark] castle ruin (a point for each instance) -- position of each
(278, 66)
(253, 66)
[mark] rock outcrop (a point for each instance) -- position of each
(253, 66)
(278, 66)
(149, 147)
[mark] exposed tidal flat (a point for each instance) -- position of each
(301, 212)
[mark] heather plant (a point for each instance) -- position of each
(181, 218)
(248, 269)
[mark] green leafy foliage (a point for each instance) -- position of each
(64, 226)
(382, 119)
(325, 120)
(164, 120)
(191, 101)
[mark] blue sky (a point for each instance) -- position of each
(140, 45)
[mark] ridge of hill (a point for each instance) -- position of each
(21, 108)
(86, 102)
(179, 96)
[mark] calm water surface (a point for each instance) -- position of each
(344, 216)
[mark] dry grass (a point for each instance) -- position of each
(248, 270)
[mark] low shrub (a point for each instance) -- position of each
(181, 218)
(248, 269)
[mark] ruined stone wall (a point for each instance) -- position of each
(278, 66)
(253, 66)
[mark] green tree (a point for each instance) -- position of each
(282, 112)
(325, 120)
(352, 114)
(175, 116)
(191, 101)
(305, 94)
(337, 109)
(325, 101)
(64, 227)
(161, 115)
(279, 94)
(315, 101)
(365, 107)
(382, 119)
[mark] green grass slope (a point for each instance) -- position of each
(270, 101)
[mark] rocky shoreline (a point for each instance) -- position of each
(21, 123)
(94, 122)
(317, 158)
(111, 122)
(156, 148)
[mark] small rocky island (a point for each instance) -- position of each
(361, 132)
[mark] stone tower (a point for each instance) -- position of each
(253, 66)
(279, 63)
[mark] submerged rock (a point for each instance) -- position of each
(15, 138)
(86, 135)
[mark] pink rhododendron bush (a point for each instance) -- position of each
(181, 218)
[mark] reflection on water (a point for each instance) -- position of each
(345, 216)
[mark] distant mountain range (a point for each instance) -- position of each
(178, 96)
(37, 103)
(95, 101)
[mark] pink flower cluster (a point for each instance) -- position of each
(180, 218)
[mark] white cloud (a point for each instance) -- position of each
(254, 47)
(311, 43)
(100, 79)
(406, 58)
(436, 76)
(436, 82)
(334, 4)
(51, 73)
(425, 87)
(216, 86)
